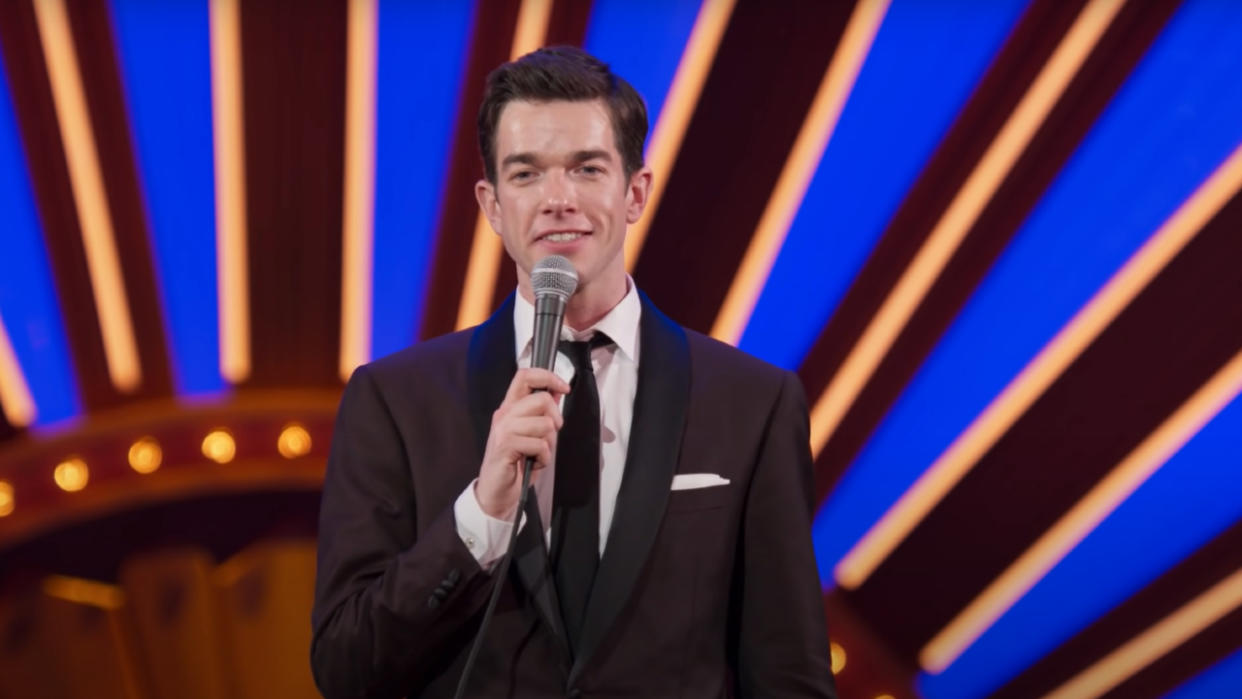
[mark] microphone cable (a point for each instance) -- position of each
(554, 280)
(501, 571)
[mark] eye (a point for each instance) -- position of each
(522, 176)
(591, 170)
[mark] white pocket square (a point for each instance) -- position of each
(690, 481)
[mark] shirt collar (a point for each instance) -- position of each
(620, 324)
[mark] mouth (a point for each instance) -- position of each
(561, 236)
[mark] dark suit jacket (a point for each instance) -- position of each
(700, 593)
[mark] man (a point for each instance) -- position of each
(666, 548)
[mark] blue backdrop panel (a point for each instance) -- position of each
(28, 302)
(423, 48)
(1170, 126)
(1194, 497)
(165, 55)
(642, 41)
(926, 59)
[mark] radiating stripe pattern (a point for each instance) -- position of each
(232, 267)
(422, 51)
(40, 383)
(1044, 277)
(668, 67)
(1119, 483)
(86, 181)
(1154, 172)
(357, 234)
(923, 54)
(804, 158)
(968, 203)
(486, 248)
(1194, 496)
(1154, 642)
(1030, 294)
(1217, 681)
(164, 51)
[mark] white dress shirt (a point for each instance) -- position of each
(616, 376)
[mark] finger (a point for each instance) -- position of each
(549, 450)
(533, 405)
(520, 447)
(546, 380)
(527, 380)
(532, 426)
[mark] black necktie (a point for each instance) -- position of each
(575, 493)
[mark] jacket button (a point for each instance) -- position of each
(433, 602)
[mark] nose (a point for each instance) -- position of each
(559, 196)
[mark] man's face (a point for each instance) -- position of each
(561, 189)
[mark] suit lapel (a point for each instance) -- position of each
(655, 442)
(490, 367)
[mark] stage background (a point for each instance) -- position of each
(998, 241)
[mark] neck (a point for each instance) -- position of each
(586, 308)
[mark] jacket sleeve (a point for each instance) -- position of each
(783, 638)
(392, 603)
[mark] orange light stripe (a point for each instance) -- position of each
(230, 154)
(1083, 517)
(1172, 631)
(19, 406)
(476, 295)
(531, 28)
(683, 97)
(86, 180)
(962, 213)
(485, 250)
(1041, 372)
(359, 186)
(82, 591)
(796, 176)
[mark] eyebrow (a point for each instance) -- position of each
(578, 157)
(516, 158)
(584, 155)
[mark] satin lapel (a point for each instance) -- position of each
(655, 442)
(491, 366)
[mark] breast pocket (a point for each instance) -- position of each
(694, 499)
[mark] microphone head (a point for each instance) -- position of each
(554, 275)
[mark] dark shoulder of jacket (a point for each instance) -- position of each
(440, 359)
(707, 348)
(731, 369)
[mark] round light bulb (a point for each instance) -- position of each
(71, 474)
(145, 455)
(6, 499)
(219, 446)
(294, 441)
(837, 654)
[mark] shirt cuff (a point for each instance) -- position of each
(485, 536)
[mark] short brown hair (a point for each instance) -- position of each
(563, 73)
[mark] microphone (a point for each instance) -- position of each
(553, 280)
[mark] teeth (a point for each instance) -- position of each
(562, 237)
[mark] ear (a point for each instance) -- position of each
(485, 194)
(637, 191)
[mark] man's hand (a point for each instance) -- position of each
(524, 425)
